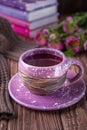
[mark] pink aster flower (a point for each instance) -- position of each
(68, 25)
(85, 46)
(69, 19)
(58, 45)
(45, 32)
(73, 43)
(40, 39)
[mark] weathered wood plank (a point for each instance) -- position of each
(75, 117)
(3, 125)
(41, 120)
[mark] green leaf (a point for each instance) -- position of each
(69, 53)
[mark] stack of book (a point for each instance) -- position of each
(29, 16)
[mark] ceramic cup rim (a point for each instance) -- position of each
(26, 53)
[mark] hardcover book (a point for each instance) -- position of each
(26, 32)
(28, 5)
(32, 25)
(29, 15)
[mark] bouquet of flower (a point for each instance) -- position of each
(69, 36)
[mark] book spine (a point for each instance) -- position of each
(21, 31)
(27, 5)
(12, 3)
(13, 12)
(24, 32)
(16, 21)
(17, 4)
(30, 15)
(27, 32)
(32, 25)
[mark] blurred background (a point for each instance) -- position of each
(72, 6)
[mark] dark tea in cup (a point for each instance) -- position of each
(43, 60)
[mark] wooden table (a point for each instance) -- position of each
(72, 118)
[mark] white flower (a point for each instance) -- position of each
(52, 36)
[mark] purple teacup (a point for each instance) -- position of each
(44, 70)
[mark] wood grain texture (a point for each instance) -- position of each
(3, 125)
(75, 117)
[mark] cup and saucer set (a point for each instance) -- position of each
(45, 81)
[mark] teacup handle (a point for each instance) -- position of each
(80, 70)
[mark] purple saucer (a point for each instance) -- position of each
(64, 97)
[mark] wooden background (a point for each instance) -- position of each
(72, 6)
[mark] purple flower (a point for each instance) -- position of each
(57, 45)
(45, 32)
(85, 46)
(69, 19)
(40, 39)
(73, 43)
(69, 26)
